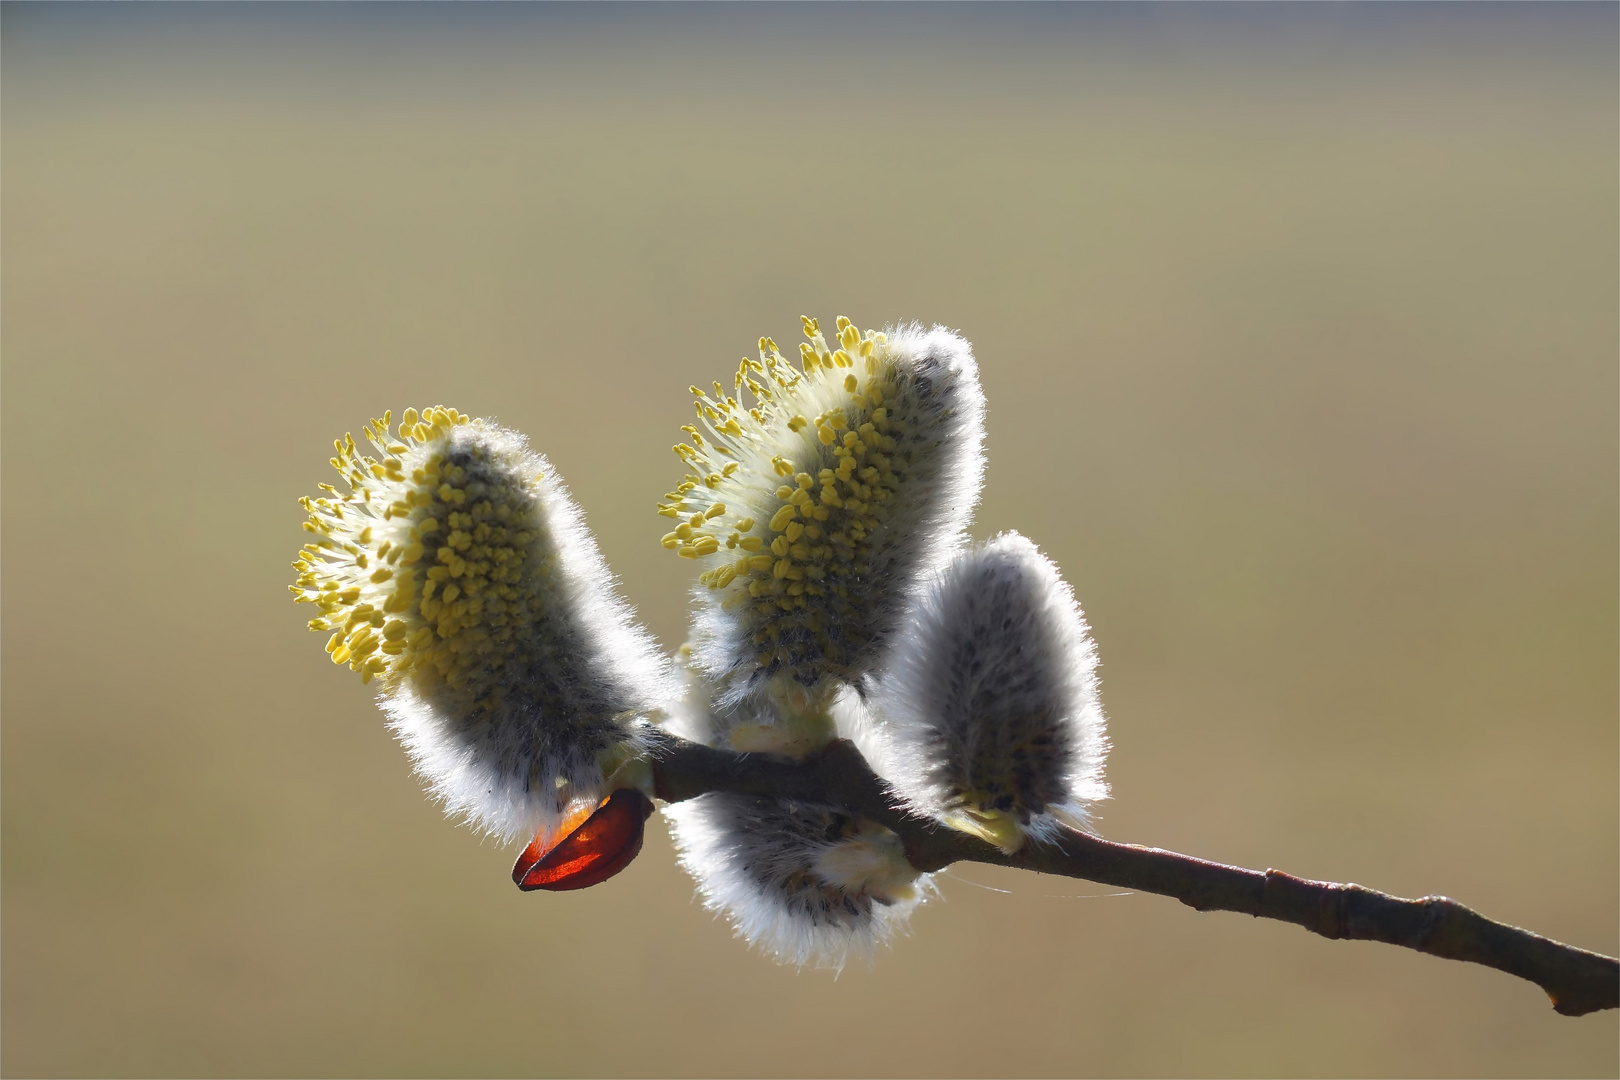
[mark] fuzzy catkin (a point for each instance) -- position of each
(802, 882)
(822, 507)
(458, 573)
(992, 719)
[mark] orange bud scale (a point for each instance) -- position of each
(605, 844)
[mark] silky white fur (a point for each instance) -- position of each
(940, 399)
(788, 883)
(995, 684)
(589, 677)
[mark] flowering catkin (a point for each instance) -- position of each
(823, 505)
(457, 573)
(805, 883)
(990, 703)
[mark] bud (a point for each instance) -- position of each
(819, 508)
(806, 884)
(990, 704)
(457, 574)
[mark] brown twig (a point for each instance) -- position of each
(1577, 981)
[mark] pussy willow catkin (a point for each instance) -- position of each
(802, 882)
(818, 508)
(456, 572)
(990, 702)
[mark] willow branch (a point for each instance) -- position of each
(1577, 981)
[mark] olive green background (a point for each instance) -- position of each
(1298, 329)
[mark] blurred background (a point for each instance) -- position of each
(1298, 327)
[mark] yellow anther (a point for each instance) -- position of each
(761, 562)
(750, 543)
(849, 383)
(715, 511)
(782, 517)
(382, 575)
(780, 568)
(670, 540)
(794, 531)
(745, 524)
(708, 545)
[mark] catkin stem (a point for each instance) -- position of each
(1577, 981)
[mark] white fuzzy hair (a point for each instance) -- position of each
(941, 404)
(589, 677)
(776, 716)
(791, 879)
(994, 691)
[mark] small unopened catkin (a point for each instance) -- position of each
(990, 706)
(820, 507)
(777, 715)
(458, 574)
(804, 883)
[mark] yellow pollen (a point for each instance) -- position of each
(835, 412)
(453, 620)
